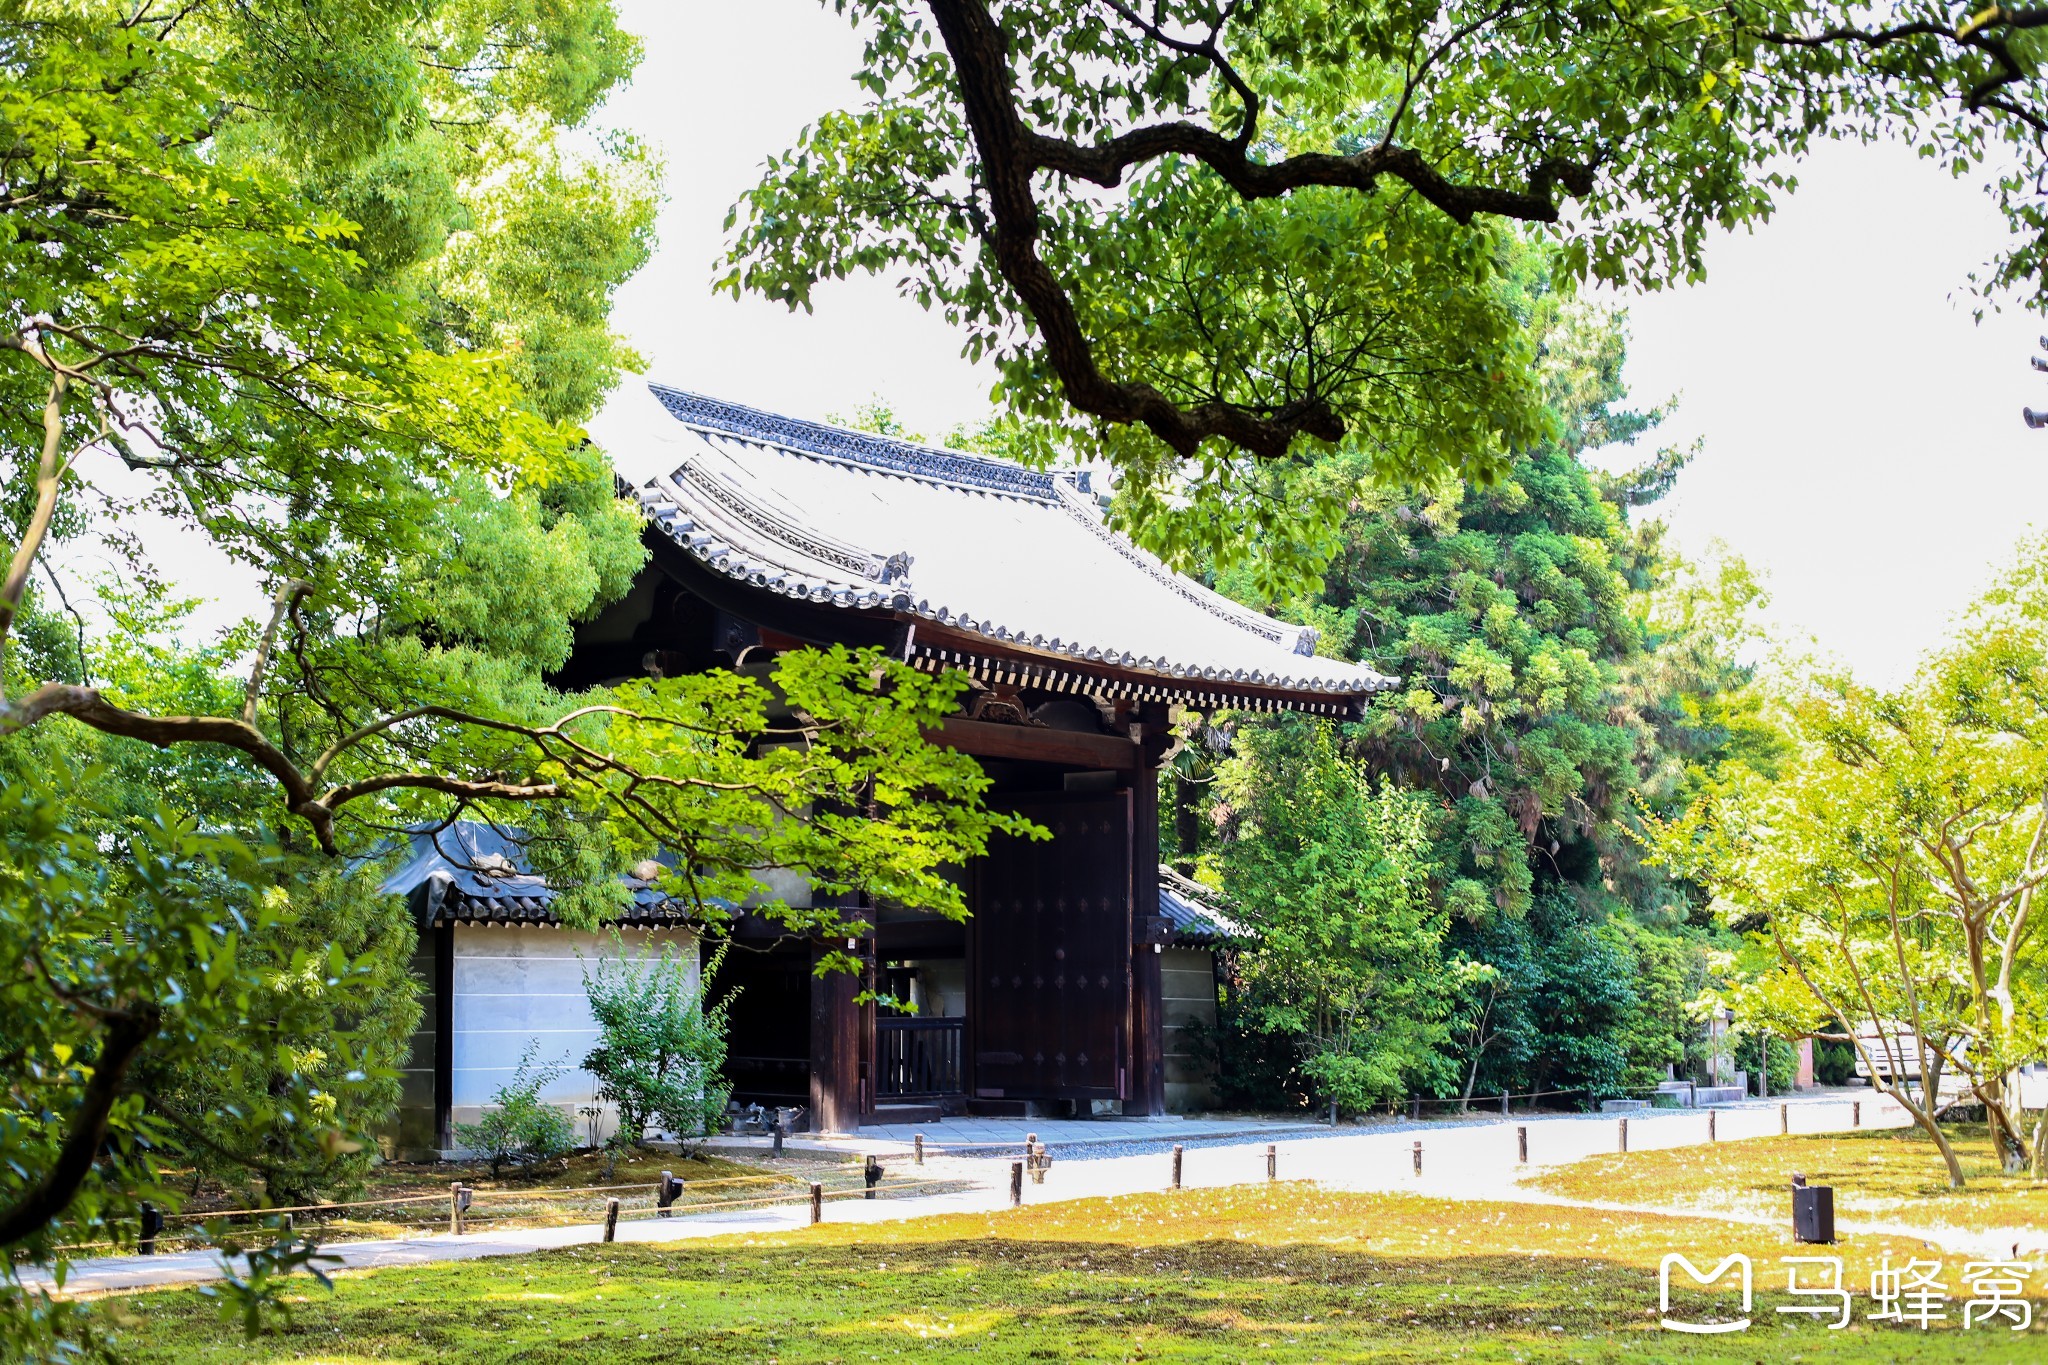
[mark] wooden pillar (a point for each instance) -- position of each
(443, 1006)
(835, 1049)
(1145, 1092)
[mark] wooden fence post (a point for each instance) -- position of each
(1784, 1119)
(1272, 1161)
(1624, 1133)
(1855, 1113)
(1522, 1144)
(1418, 1157)
(1712, 1126)
(817, 1203)
(1016, 1183)
(611, 1218)
(1177, 1150)
(455, 1207)
(917, 1143)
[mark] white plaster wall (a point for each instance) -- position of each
(514, 985)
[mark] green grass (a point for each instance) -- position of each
(572, 1190)
(1887, 1176)
(1282, 1272)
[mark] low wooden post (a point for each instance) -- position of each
(1522, 1144)
(1039, 1162)
(1784, 1119)
(1177, 1151)
(917, 1146)
(1855, 1113)
(1016, 1183)
(1712, 1116)
(1272, 1161)
(611, 1218)
(1624, 1133)
(455, 1207)
(1418, 1157)
(152, 1225)
(1503, 1104)
(817, 1203)
(778, 1134)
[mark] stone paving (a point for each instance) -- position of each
(1473, 1158)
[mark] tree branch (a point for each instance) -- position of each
(126, 1035)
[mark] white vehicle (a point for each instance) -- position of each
(1890, 1043)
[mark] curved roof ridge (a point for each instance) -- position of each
(861, 449)
(1288, 635)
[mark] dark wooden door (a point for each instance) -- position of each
(1052, 953)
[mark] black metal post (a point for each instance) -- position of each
(152, 1224)
(871, 1173)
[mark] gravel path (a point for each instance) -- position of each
(1473, 1158)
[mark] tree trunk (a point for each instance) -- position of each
(1923, 1115)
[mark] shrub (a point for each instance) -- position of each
(521, 1128)
(660, 1054)
(1834, 1063)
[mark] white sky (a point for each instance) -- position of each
(1863, 441)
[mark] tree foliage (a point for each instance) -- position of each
(1895, 862)
(1205, 235)
(327, 285)
(1333, 868)
(1559, 673)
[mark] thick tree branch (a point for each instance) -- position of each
(125, 1036)
(1012, 154)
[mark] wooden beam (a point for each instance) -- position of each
(1037, 744)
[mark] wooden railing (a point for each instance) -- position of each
(917, 1057)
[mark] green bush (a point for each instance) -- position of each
(660, 1055)
(1834, 1063)
(521, 1129)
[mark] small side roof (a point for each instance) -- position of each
(472, 872)
(1014, 569)
(1191, 911)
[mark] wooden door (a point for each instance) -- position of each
(1052, 953)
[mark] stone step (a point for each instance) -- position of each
(902, 1113)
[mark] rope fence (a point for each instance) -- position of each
(459, 1212)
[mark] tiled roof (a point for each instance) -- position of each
(986, 547)
(475, 873)
(1189, 909)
